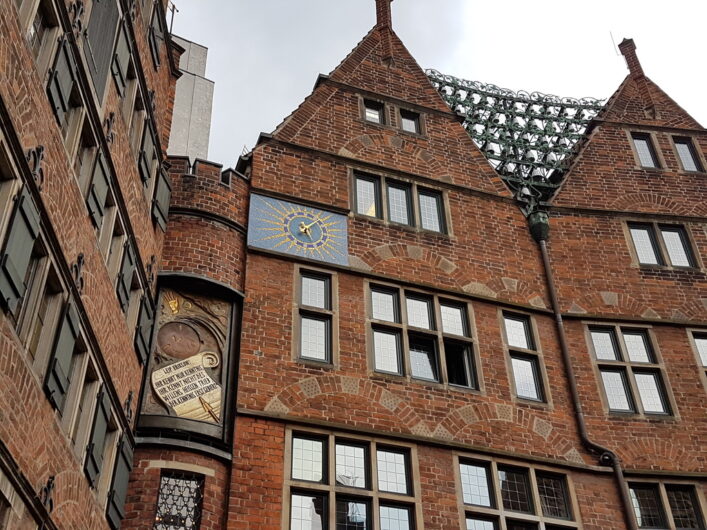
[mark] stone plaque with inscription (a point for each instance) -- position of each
(186, 373)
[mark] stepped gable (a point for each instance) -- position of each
(381, 67)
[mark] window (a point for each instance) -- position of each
(394, 201)
(155, 36)
(659, 244)
(699, 341)
(64, 94)
(42, 35)
(98, 42)
(343, 482)
(650, 499)
(495, 492)
(629, 370)
(433, 332)
(315, 317)
(122, 63)
(687, 154)
(525, 361)
(410, 121)
(179, 501)
(644, 149)
(374, 111)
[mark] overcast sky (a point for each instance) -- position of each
(265, 55)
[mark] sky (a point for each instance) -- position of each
(265, 55)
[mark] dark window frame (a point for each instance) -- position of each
(692, 149)
(327, 314)
(440, 338)
(378, 106)
(532, 353)
(410, 116)
(655, 232)
(628, 367)
(646, 137)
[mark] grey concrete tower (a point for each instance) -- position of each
(191, 123)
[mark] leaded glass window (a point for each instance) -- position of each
(645, 150)
(399, 203)
(662, 245)
(647, 506)
(351, 465)
(410, 121)
(308, 459)
(392, 471)
(374, 111)
(687, 154)
(515, 490)
(525, 361)
(475, 484)
(179, 501)
(431, 211)
(315, 317)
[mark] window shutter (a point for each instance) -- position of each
(94, 449)
(61, 81)
(98, 45)
(115, 511)
(147, 152)
(17, 253)
(96, 199)
(125, 278)
(163, 194)
(143, 334)
(58, 378)
(155, 36)
(121, 60)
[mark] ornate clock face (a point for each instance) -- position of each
(295, 229)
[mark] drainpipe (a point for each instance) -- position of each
(540, 230)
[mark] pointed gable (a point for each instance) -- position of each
(381, 68)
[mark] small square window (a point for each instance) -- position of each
(687, 154)
(308, 510)
(385, 305)
(374, 111)
(645, 244)
(315, 291)
(477, 523)
(410, 121)
(476, 488)
(386, 345)
(515, 489)
(645, 150)
(423, 359)
(351, 467)
(419, 312)
(431, 211)
(517, 332)
(353, 514)
(616, 388)
(393, 471)
(368, 197)
(399, 205)
(179, 501)
(396, 517)
(315, 338)
(527, 377)
(454, 320)
(677, 246)
(308, 459)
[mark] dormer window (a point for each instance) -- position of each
(410, 121)
(687, 154)
(374, 111)
(645, 150)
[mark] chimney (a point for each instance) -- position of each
(628, 50)
(383, 14)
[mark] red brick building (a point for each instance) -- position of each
(420, 302)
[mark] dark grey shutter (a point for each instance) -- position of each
(155, 36)
(163, 194)
(125, 278)
(115, 511)
(17, 253)
(97, 193)
(61, 81)
(121, 60)
(98, 46)
(96, 445)
(58, 378)
(147, 153)
(143, 334)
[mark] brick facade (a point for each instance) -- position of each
(484, 260)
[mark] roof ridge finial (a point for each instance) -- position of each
(383, 14)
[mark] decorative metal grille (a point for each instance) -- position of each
(179, 501)
(527, 137)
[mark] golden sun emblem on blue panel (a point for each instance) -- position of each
(299, 230)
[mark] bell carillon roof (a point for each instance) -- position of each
(527, 138)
